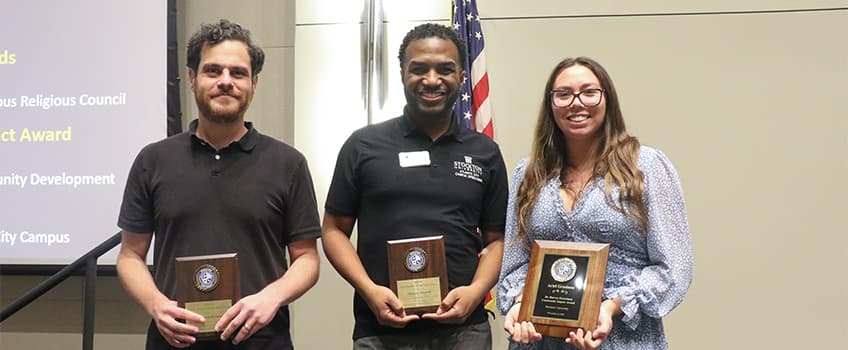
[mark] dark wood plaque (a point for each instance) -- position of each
(208, 285)
(565, 282)
(418, 273)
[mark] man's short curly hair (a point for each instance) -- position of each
(431, 30)
(218, 32)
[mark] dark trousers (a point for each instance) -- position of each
(256, 342)
(471, 337)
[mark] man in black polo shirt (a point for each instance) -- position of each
(221, 187)
(417, 175)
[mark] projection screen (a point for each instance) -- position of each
(83, 90)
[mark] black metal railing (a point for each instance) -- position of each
(89, 263)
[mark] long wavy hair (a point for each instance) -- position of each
(616, 156)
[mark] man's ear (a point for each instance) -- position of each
(255, 82)
(192, 78)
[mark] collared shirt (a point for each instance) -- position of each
(253, 197)
(398, 184)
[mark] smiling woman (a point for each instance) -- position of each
(588, 180)
(578, 104)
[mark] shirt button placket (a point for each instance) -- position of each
(216, 165)
(434, 161)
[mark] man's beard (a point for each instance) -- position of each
(414, 105)
(216, 115)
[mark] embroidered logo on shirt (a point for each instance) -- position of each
(468, 169)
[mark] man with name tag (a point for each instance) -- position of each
(217, 189)
(419, 175)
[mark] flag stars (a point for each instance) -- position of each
(472, 33)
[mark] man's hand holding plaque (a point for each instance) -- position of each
(418, 273)
(564, 287)
(207, 285)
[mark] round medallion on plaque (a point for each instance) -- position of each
(206, 278)
(416, 259)
(563, 269)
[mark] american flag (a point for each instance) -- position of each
(473, 109)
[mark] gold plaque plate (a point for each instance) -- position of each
(211, 310)
(419, 292)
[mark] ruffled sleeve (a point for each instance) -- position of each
(660, 286)
(516, 254)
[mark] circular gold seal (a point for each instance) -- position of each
(416, 259)
(563, 269)
(206, 278)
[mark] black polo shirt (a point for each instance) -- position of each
(381, 182)
(252, 197)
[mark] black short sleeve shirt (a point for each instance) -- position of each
(253, 198)
(382, 179)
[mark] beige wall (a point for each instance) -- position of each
(272, 25)
(747, 106)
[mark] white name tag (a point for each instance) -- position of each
(411, 159)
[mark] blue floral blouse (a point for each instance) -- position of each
(649, 272)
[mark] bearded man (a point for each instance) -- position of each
(221, 187)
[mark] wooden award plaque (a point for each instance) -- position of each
(418, 273)
(208, 285)
(565, 282)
